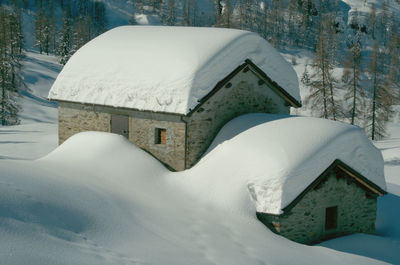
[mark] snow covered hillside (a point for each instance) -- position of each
(98, 199)
(131, 210)
(36, 135)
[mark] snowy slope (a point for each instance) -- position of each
(281, 155)
(363, 8)
(37, 134)
(131, 210)
(98, 199)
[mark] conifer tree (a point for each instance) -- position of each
(65, 45)
(10, 56)
(381, 96)
(352, 78)
(171, 15)
(323, 85)
(372, 20)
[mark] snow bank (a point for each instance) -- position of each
(98, 199)
(164, 69)
(277, 157)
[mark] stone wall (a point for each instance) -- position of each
(75, 118)
(245, 93)
(305, 222)
(173, 152)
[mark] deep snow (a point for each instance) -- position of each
(279, 157)
(112, 203)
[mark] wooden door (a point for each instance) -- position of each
(120, 125)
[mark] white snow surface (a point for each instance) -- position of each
(280, 156)
(165, 69)
(98, 199)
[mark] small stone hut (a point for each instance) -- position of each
(169, 90)
(315, 179)
(339, 202)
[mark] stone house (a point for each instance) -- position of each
(172, 99)
(216, 91)
(339, 202)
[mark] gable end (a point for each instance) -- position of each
(338, 164)
(282, 92)
(259, 73)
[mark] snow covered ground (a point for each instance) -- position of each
(98, 199)
(36, 135)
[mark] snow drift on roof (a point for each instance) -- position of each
(277, 157)
(166, 69)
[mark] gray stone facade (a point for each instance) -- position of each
(244, 93)
(76, 117)
(188, 137)
(306, 221)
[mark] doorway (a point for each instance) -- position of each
(120, 125)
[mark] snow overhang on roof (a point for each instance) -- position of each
(165, 69)
(278, 157)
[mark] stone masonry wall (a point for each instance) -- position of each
(173, 152)
(305, 223)
(243, 94)
(75, 118)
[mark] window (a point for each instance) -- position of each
(160, 136)
(331, 218)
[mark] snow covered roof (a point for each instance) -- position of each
(164, 69)
(278, 157)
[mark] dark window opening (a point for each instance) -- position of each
(331, 218)
(160, 136)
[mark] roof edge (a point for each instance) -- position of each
(289, 98)
(350, 171)
(110, 106)
(282, 92)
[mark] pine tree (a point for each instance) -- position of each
(39, 28)
(352, 78)
(10, 56)
(65, 45)
(171, 15)
(99, 18)
(218, 12)
(372, 20)
(381, 95)
(392, 80)
(226, 16)
(323, 85)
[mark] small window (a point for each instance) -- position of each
(160, 136)
(331, 218)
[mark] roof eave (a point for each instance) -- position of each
(350, 171)
(281, 91)
(260, 73)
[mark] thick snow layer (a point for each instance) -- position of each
(280, 156)
(98, 199)
(164, 69)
